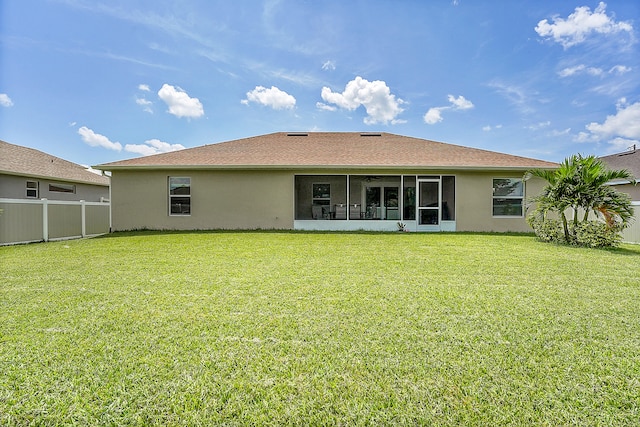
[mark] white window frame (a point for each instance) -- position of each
(171, 196)
(521, 198)
(62, 187)
(36, 189)
(382, 209)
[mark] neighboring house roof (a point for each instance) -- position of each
(23, 161)
(629, 160)
(330, 150)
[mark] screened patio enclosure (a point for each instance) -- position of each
(375, 202)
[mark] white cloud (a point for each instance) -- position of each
(488, 128)
(325, 107)
(5, 101)
(618, 145)
(329, 66)
(153, 146)
(585, 137)
(539, 125)
(375, 97)
(580, 24)
(180, 103)
(519, 96)
(97, 140)
(434, 115)
(146, 104)
(578, 69)
(460, 103)
(625, 123)
(619, 69)
(273, 97)
(144, 87)
(621, 103)
(570, 71)
(594, 71)
(556, 132)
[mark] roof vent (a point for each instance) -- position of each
(630, 150)
(298, 134)
(370, 134)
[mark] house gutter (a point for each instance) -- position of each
(54, 178)
(611, 183)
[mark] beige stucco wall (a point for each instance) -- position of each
(265, 199)
(219, 200)
(632, 190)
(474, 202)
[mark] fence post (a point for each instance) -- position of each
(84, 218)
(45, 220)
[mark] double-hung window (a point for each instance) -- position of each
(179, 195)
(32, 189)
(508, 197)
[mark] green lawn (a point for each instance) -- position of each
(267, 328)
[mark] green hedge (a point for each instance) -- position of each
(592, 234)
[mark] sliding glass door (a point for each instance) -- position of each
(381, 202)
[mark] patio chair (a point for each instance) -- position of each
(317, 212)
(355, 211)
(340, 212)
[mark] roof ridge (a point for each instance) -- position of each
(27, 161)
(332, 149)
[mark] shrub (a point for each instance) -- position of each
(596, 234)
(546, 230)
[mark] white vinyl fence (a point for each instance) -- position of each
(26, 221)
(632, 234)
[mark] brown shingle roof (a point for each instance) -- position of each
(331, 150)
(629, 160)
(17, 160)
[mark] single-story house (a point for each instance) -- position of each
(629, 160)
(26, 173)
(324, 181)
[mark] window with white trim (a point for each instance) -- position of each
(508, 197)
(32, 189)
(62, 188)
(179, 195)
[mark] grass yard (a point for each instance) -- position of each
(267, 328)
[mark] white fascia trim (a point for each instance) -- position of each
(316, 167)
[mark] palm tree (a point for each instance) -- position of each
(595, 195)
(559, 194)
(581, 183)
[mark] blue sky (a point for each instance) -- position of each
(94, 81)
